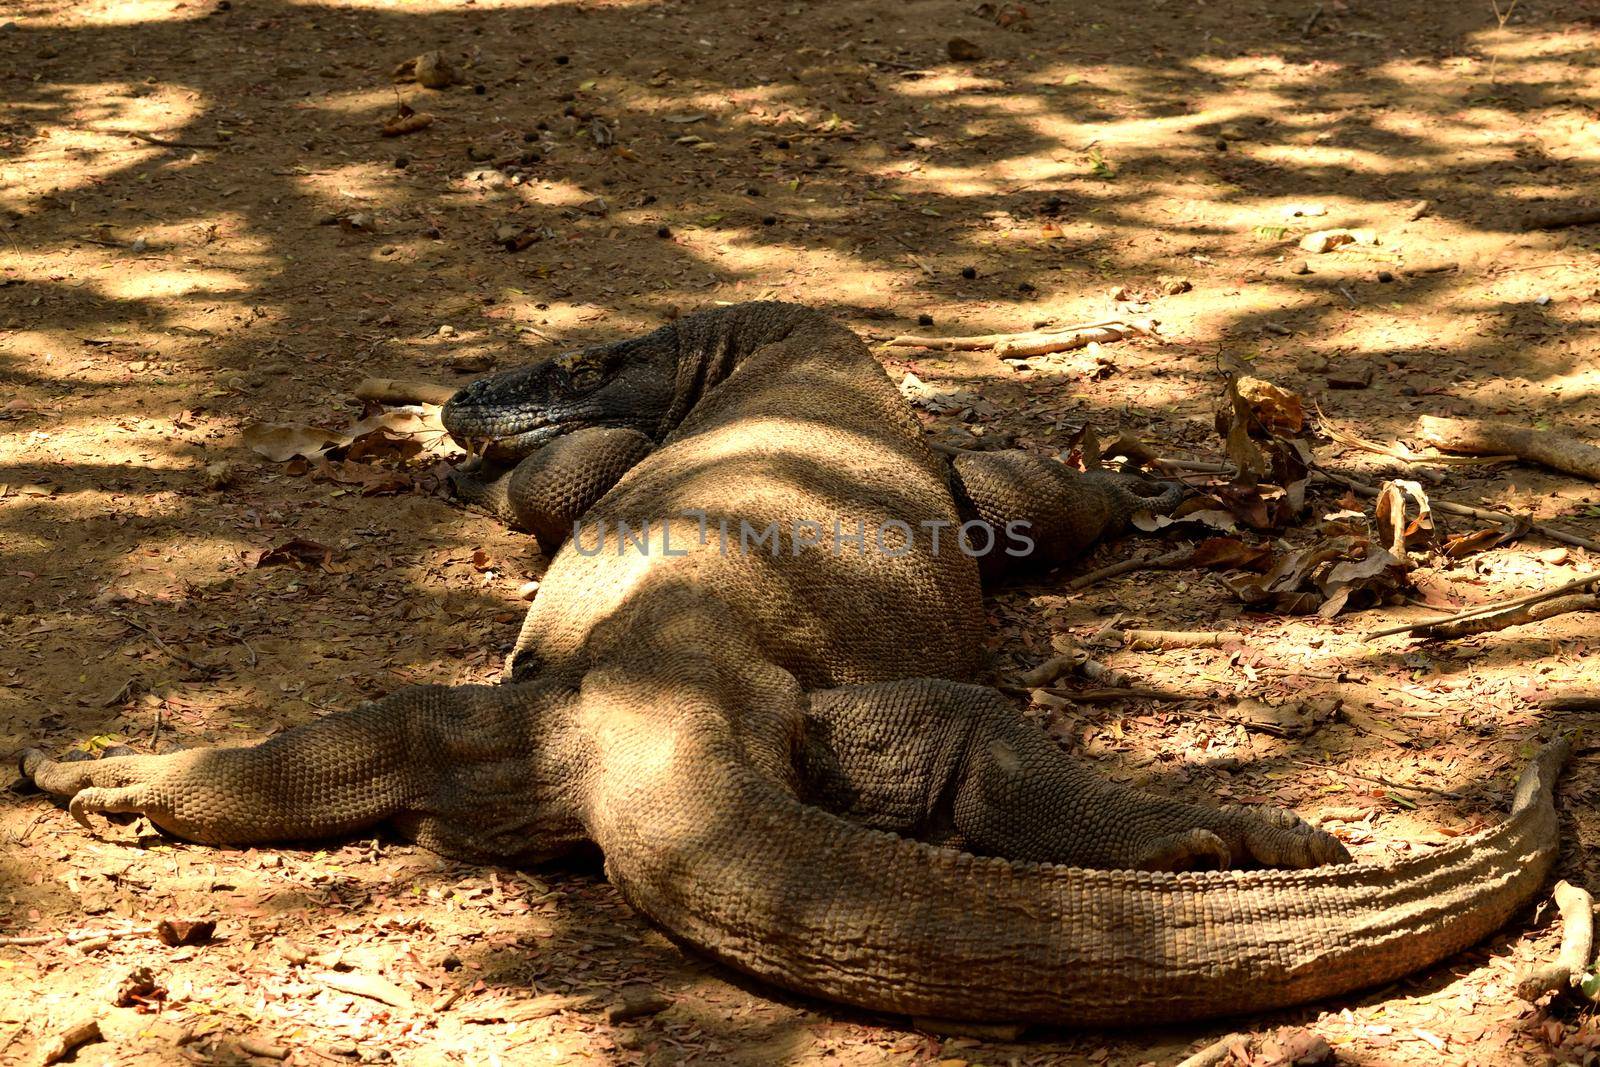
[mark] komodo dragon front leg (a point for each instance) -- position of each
(955, 765)
(1049, 513)
(547, 492)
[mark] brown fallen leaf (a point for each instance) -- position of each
(298, 551)
(406, 120)
(283, 441)
(175, 932)
(365, 985)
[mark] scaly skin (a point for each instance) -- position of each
(779, 753)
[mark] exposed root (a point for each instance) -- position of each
(1548, 448)
(1577, 942)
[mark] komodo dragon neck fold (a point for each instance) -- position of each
(780, 753)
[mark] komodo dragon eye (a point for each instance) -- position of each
(585, 377)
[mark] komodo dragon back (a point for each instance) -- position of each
(780, 752)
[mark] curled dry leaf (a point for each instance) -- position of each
(1396, 530)
(298, 551)
(1329, 577)
(1266, 437)
(406, 120)
(283, 441)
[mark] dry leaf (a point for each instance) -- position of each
(282, 441)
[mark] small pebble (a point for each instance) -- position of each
(924, 319)
(1299, 266)
(664, 232)
(1385, 276)
(402, 162)
(969, 273)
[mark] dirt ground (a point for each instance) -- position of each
(201, 229)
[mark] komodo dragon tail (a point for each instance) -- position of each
(808, 901)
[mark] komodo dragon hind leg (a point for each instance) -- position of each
(1042, 512)
(955, 765)
(442, 765)
(548, 491)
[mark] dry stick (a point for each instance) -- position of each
(1126, 692)
(1144, 640)
(401, 391)
(978, 342)
(1544, 447)
(1561, 218)
(69, 1040)
(1451, 507)
(1571, 701)
(1492, 608)
(73, 937)
(166, 142)
(162, 645)
(1577, 939)
(1219, 1050)
(1482, 624)
(1166, 559)
(1345, 772)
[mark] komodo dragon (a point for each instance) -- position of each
(777, 751)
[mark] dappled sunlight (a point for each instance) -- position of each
(179, 261)
(97, 143)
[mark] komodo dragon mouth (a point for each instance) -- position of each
(782, 755)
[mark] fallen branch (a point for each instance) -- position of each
(1579, 701)
(401, 391)
(1536, 612)
(1547, 448)
(1491, 608)
(1145, 640)
(1577, 939)
(1175, 558)
(1399, 452)
(1520, 523)
(1219, 1050)
(1010, 345)
(167, 142)
(177, 931)
(1107, 694)
(1561, 218)
(69, 1041)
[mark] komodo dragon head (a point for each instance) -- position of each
(509, 415)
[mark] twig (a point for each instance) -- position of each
(73, 937)
(1144, 640)
(1125, 566)
(1345, 772)
(978, 342)
(1482, 624)
(1547, 448)
(1107, 694)
(1398, 451)
(1453, 508)
(1311, 21)
(1580, 701)
(166, 142)
(162, 645)
(1219, 1050)
(1489, 609)
(69, 1040)
(1577, 939)
(1561, 218)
